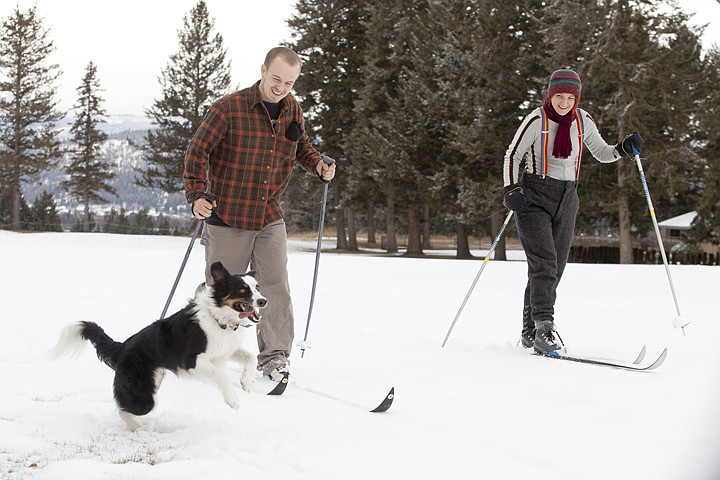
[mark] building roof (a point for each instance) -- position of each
(681, 222)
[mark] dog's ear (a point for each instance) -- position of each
(219, 272)
(252, 273)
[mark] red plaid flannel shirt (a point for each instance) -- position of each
(250, 160)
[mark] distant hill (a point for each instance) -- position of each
(128, 162)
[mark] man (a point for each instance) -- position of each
(237, 165)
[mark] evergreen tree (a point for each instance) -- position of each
(633, 42)
(87, 174)
(163, 226)
(195, 77)
(44, 215)
(379, 174)
(707, 225)
(488, 80)
(143, 223)
(28, 115)
(117, 222)
(329, 38)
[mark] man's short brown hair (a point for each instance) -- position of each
(286, 54)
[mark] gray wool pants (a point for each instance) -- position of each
(546, 226)
(265, 252)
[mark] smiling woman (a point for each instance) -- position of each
(131, 41)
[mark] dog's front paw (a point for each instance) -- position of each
(232, 400)
(247, 380)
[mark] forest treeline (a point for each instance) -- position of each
(417, 101)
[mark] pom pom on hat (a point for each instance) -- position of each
(565, 80)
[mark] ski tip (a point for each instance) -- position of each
(641, 355)
(386, 403)
(659, 360)
(281, 386)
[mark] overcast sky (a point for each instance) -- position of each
(131, 41)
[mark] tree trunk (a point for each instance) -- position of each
(371, 223)
(352, 232)
(624, 220)
(426, 244)
(463, 243)
(17, 198)
(496, 221)
(414, 247)
(342, 243)
(86, 216)
(391, 239)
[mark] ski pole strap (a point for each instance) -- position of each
(544, 140)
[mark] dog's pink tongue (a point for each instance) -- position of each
(245, 314)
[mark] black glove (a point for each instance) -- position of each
(293, 132)
(631, 145)
(515, 198)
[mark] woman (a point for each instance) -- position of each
(550, 140)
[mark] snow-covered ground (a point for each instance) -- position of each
(478, 408)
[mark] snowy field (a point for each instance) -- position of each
(478, 408)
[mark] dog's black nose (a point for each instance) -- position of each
(261, 302)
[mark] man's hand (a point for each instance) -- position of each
(326, 169)
(202, 208)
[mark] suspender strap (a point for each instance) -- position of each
(544, 141)
(581, 132)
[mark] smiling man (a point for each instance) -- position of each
(237, 166)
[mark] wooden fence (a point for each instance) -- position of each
(610, 254)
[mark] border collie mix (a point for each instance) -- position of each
(197, 340)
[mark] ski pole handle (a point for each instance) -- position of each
(328, 161)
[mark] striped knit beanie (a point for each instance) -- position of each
(565, 80)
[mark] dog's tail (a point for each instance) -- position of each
(72, 341)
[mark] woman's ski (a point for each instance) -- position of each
(607, 363)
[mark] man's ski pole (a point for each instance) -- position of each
(182, 267)
(303, 345)
(477, 277)
(198, 225)
(679, 322)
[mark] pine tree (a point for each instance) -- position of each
(117, 222)
(195, 77)
(626, 92)
(44, 214)
(707, 225)
(488, 81)
(87, 174)
(143, 223)
(329, 38)
(28, 115)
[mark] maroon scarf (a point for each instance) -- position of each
(562, 145)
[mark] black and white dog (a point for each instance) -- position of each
(197, 340)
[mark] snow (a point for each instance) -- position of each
(683, 221)
(478, 408)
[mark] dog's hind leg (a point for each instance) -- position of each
(208, 371)
(249, 363)
(134, 391)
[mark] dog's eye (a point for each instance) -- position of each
(242, 290)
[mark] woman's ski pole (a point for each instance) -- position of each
(477, 277)
(679, 322)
